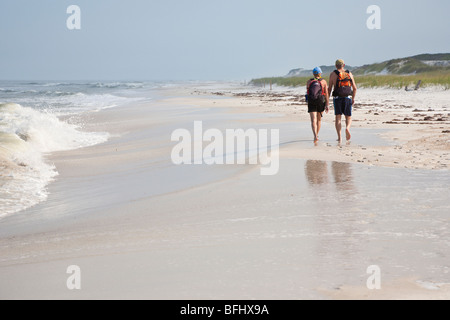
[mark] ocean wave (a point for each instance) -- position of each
(30, 128)
(72, 98)
(68, 103)
(78, 102)
(24, 175)
(115, 85)
(48, 84)
(7, 90)
(26, 136)
(39, 92)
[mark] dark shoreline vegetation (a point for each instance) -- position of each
(367, 81)
(430, 69)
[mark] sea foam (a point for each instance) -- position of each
(26, 136)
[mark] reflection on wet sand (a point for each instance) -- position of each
(343, 175)
(316, 172)
(336, 215)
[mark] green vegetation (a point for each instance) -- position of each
(281, 81)
(431, 69)
(431, 57)
(393, 81)
(400, 67)
(399, 81)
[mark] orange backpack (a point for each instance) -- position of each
(344, 83)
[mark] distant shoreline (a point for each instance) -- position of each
(430, 69)
(367, 81)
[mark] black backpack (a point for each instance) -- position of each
(316, 95)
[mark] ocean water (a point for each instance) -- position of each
(31, 127)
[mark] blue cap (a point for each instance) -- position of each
(317, 70)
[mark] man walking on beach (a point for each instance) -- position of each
(344, 86)
(318, 100)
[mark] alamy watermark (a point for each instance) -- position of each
(235, 146)
(73, 22)
(374, 281)
(74, 280)
(374, 20)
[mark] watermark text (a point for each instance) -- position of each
(374, 20)
(73, 22)
(235, 146)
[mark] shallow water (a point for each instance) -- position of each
(315, 226)
(397, 219)
(31, 126)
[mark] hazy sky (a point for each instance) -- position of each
(209, 39)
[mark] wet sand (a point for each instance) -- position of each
(141, 228)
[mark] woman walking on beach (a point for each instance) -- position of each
(344, 86)
(318, 100)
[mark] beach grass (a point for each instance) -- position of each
(369, 81)
(401, 81)
(281, 81)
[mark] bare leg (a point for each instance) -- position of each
(338, 127)
(348, 122)
(313, 116)
(319, 124)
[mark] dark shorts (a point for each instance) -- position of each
(316, 106)
(312, 108)
(343, 106)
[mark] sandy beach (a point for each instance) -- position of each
(140, 227)
(414, 125)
